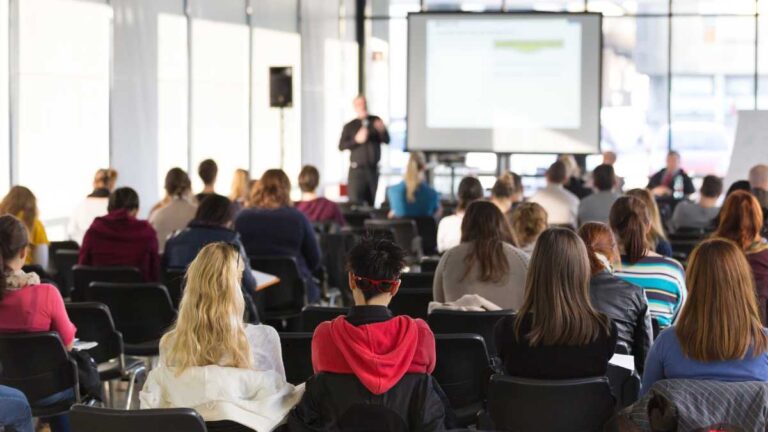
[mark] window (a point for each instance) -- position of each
(63, 101)
(5, 162)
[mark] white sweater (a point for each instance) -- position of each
(258, 398)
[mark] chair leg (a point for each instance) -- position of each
(112, 389)
(132, 385)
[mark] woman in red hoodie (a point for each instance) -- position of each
(372, 357)
(119, 239)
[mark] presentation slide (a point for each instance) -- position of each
(510, 83)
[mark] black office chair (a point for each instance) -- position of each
(173, 279)
(38, 365)
(429, 264)
(325, 227)
(462, 370)
(297, 356)
(82, 276)
(684, 241)
(335, 248)
(94, 324)
(55, 246)
(63, 261)
(284, 301)
(443, 321)
(90, 419)
(312, 316)
(577, 405)
(417, 280)
(356, 218)
(405, 234)
(426, 226)
(413, 302)
(142, 312)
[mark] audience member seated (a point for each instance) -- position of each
(597, 207)
(561, 205)
(379, 349)
(528, 221)
(719, 335)
(207, 170)
(609, 158)
(316, 208)
(671, 180)
(176, 210)
(656, 238)
(575, 183)
(212, 223)
(26, 305)
(274, 227)
(15, 413)
(556, 334)
(741, 221)
(758, 182)
(449, 229)
(701, 215)
(93, 206)
(413, 197)
(662, 278)
(623, 302)
(505, 192)
(486, 263)
(119, 239)
(214, 363)
(22, 203)
(240, 189)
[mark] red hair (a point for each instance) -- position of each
(599, 239)
(741, 219)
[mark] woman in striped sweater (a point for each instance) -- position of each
(663, 279)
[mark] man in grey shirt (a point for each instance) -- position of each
(699, 215)
(597, 207)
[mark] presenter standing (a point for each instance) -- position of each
(363, 137)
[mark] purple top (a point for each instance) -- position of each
(321, 210)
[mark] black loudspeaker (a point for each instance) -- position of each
(281, 86)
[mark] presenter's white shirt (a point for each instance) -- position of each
(449, 232)
(258, 398)
(561, 205)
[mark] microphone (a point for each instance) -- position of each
(365, 122)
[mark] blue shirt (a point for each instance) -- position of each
(426, 203)
(667, 361)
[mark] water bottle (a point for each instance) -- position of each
(678, 189)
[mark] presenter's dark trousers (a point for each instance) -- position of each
(362, 184)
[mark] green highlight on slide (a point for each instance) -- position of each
(528, 46)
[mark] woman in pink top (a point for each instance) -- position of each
(26, 305)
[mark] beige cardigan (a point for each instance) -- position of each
(507, 294)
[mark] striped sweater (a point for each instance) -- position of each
(663, 280)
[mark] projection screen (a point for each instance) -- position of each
(506, 82)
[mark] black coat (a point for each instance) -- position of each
(339, 402)
(626, 305)
(368, 153)
(658, 178)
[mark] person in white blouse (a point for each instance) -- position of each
(93, 206)
(214, 363)
(449, 229)
(561, 205)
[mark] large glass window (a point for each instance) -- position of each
(63, 100)
(5, 162)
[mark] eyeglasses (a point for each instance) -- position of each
(380, 285)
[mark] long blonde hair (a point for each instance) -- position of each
(240, 183)
(416, 164)
(22, 203)
(209, 329)
(657, 229)
(720, 320)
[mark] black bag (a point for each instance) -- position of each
(88, 376)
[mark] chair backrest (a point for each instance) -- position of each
(417, 280)
(173, 279)
(297, 356)
(94, 324)
(426, 226)
(91, 419)
(335, 248)
(412, 302)
(142, 312)
(63, 261)
(462, 370)
(429, 264)
(37, 364)
(83, 275)
(289, 294)
(625, 385)
(56, 246)
(312, 316)
(356, 218)
(404, 230)
(443, 321)
(684, 242)
(582, 405)
(325, 227)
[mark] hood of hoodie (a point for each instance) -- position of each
(378, 354)
(120, 225)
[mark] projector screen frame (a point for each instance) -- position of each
(408, 84)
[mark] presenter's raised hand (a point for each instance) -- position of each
(379, 125)
(362, 135)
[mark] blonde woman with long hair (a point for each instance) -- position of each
(22, 203)
(719, 335)
(214, 363)
(413, 197)
(240, 187)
